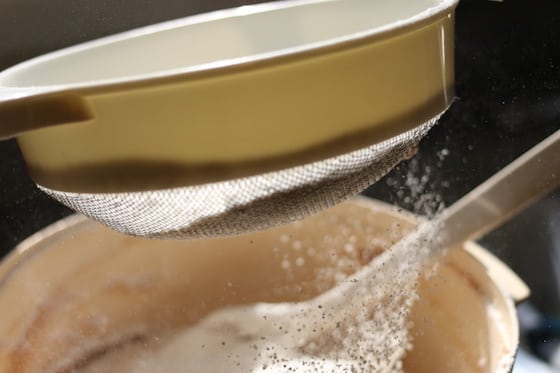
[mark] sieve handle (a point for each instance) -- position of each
(529, 177)
(26, 109)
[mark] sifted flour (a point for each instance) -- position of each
(360, 325)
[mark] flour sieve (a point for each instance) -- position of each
(235, 120)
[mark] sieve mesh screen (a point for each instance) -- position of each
(245, 204)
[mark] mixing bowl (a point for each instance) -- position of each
(78, 297)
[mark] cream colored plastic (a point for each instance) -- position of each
(229, 94)
(79, 292)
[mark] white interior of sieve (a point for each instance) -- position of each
(218, 39)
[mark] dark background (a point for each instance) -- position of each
(508, 99)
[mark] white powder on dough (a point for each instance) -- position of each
(361, 325)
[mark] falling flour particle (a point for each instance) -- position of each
(360, 325)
